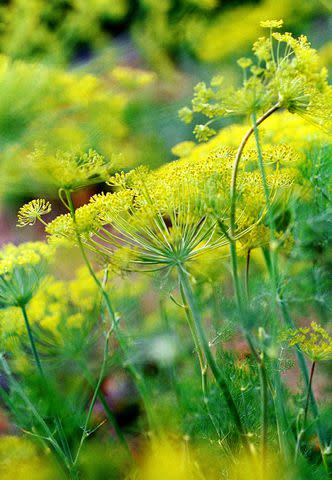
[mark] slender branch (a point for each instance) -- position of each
(305, 415)
(36, 356)
(122, 342)
(236, 163)
(246, 277)
(32, 342)
(308, 393)
(200, 354)
(108, 412)
(85, 433)
(221, 382)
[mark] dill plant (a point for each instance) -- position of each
(168, 222)
(288, 75)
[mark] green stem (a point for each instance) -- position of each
(122, 343)
(85, 433)
(274, 274)
(264, 409)
(305, 416)
(109, 413)
(308, 393)
(204, 345)
(246, 278)
(263, 380)
(32, 343)
(36, 356)
(235, 168)
(284, 437)
(236, 163)
(266, 190)
(201, 358)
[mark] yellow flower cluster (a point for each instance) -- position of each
(32, 211)
(287, 74)
(57, 307)
(24, 255)
(280, 128)
(183, 200)
(314, 341)
(210, 40)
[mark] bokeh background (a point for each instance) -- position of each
(112, 74)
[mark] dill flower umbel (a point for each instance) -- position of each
(286, 73)
(314, 341)
(69, 170)
(32, 211)
(174, 213)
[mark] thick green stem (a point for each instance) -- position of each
(204, 345)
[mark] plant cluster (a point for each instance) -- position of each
(205, 285)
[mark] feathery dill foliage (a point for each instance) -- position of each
(285, 72)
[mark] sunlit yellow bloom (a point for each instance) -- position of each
(30, 212)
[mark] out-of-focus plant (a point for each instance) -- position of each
(53, 108)
(59, 31)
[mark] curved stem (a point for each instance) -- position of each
(87, 262)
(236, 163)
(236, 281)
